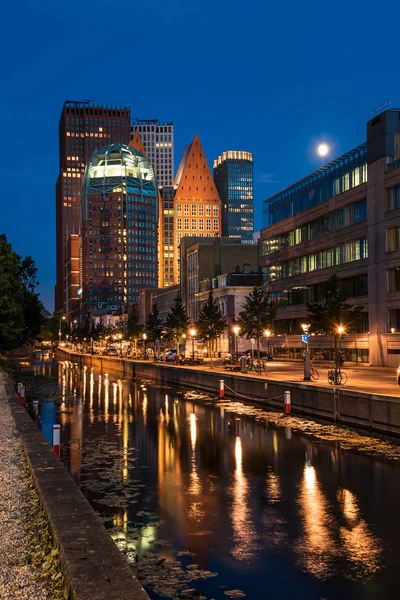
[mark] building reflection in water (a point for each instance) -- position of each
(316, 548)
(244, 535)
(361, 547)
(195, 510)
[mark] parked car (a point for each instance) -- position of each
(171, 355)
(111, 352)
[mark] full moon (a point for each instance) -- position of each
(323, 149)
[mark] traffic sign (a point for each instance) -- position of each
(304, 338)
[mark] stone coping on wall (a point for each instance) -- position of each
(93, 567)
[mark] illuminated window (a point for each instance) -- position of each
(201, 224)
(194, 210)
(215, 211)
(208, 224)
(186, 210)
(179, 223)
(201, 210)
(179, 209)
(186, 224)
(194, 224)
(216, 224)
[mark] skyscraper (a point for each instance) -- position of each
(119, 229)
(158, 141)
(166, 257)
(197, 206)
(233, 176)
(83, 128)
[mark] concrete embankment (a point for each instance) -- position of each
(93, 567)
(370, 412)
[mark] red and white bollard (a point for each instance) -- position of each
(221, 388)
(22, 394)
(19, 385)
(35, 406)
(56, 440)
(286, 402)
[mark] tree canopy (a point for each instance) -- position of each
(154, 325)
(177, 321)
(257, 315)
(22, 314)
(211, 323)
(325, 317)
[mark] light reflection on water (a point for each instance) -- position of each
(252, 503)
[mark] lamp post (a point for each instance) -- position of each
(236, 330)
(59, 328)
(340, 331)
(252, 348)
(267, 334)
(307, 377)
(144, 344)
(192, 334)
(120, 343)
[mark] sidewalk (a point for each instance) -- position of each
(18, 579)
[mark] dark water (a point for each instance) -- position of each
(260, 509)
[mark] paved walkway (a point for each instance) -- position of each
(18, 580)
(370, 380)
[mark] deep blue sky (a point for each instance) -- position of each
(273, 78)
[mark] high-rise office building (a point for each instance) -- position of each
(158, 141)
(233, 176)
(168, 275)
(197, 206)
(83, 128)
(119, 229)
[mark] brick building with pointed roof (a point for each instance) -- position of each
(197, 205)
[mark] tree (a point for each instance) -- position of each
(325, 317)
(22, 314)
(177, 321)
(257, 315)
(12, 322)
(211, 323)
(154, 325)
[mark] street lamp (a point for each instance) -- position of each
(267, 334)
(192, 334)
(307, 377)
(59, 328)
(252, 348)
(236, 330)
(144, 344)
(120, 343)
(341, 331)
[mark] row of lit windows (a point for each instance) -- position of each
(194, 209)
(347, 252)
(200, 227)
(343, 217)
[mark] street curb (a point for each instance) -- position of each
(92, 565)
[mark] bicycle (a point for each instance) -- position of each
(336, 376)
(314, 373)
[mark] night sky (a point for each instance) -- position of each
(273, 78)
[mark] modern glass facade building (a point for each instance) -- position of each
(233, 176)
(340, 175)
(83, 128)
(119, 205)
(343, 219)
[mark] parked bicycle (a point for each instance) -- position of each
(336, 376)
(314, 373)
(258, 367)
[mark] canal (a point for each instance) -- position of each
(199, 497)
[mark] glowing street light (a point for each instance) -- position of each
(192, 333)
(341, 331)
(267, 334)
(236, 330)
(144, 344)
(63, 318)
